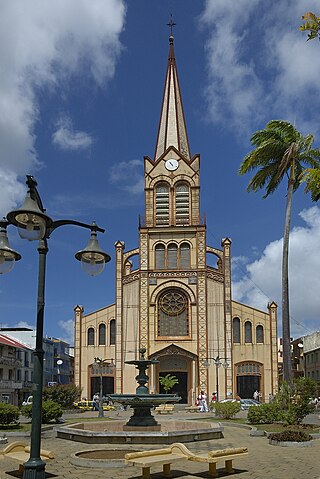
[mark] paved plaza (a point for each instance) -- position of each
(263, 462)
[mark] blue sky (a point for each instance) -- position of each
(80, 95)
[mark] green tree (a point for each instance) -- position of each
(168, 381)
(312, 178)
(293, 399)
(63, 394)
(280, 151)
(311, 175)
(311, 24)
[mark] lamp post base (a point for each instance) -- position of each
(101, 412)
(34, 469)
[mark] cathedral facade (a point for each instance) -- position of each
(176, 303)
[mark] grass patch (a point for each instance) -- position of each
(24, 427)
(236, 420)
(277, 427)
(307, 428)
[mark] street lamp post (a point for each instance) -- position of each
(217, 361)
(101, 362)
(34, 224)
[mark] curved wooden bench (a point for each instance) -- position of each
(164, 409)
(21, 452)
(177, 452)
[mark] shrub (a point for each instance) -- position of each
(227, 410)
(50, 411)
(63, 394)
(289, 435)
(9, 414)
(294, 399)
(264, 414)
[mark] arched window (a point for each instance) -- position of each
(248, 332)
(172, 256)
(102, 334)
(182, 204)
(173, 313)
(236, 330)
(184, 256)
(259, 334)
(112, 331)
(160, 256)
(90, 337)
(162, 204)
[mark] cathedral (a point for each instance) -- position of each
(173, 292)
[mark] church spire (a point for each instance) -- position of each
(172, 126)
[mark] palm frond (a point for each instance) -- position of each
(278, 148)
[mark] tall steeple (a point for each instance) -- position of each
(172, 127)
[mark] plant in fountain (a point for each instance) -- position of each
(168, 381)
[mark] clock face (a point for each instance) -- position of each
(172, 164)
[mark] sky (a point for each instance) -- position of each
(81, 87)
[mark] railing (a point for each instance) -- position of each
(166, 222)
(10, 384)
(10, 361)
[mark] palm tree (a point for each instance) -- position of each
(280, 150)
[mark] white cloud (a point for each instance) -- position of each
(12, 191)
(259, 64)
(66, 138)
(129, 176)
(262, 280)
(41, 44)
(68, 331)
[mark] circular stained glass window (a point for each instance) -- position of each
(173, 303)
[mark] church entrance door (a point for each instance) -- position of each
(107, 385)
(181, 389)
(247, 385)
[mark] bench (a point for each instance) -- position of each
(177, 452)
(192, 408)
(226, 455)
(21, 452)
(164, 409)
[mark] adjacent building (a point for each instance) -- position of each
(56, 363)
(311, 351)
(177, 301)
(15, 370)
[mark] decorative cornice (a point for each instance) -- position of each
(219, 277)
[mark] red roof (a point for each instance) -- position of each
(4, 339)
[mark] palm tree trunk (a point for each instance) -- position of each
(286, 348)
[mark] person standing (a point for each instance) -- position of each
(203, 402)
(96, 400)
(256, 395)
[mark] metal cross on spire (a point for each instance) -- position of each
(171, 24)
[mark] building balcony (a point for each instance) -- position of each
(6, 384)
(6, 361)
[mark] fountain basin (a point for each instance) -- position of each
(100, 458)
(111, 432)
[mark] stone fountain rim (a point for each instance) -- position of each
(103, 463)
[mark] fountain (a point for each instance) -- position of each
(142, 428)
(142, 402)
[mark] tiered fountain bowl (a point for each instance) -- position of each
(142, 402)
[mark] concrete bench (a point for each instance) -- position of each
(177, 452)
(192, 408)
(164, 409)
(213, 457)
(21, 453)
(158, 457)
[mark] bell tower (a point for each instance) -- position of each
(173, 237)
